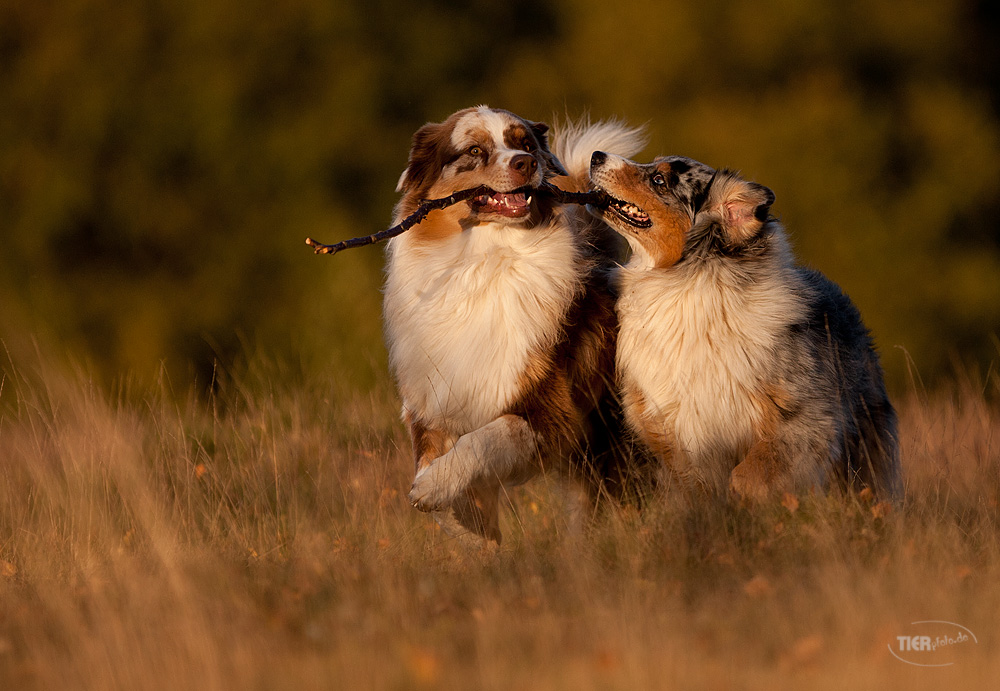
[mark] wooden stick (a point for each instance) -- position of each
(594, 198)
(562, 196)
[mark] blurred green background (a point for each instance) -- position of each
(161, 161)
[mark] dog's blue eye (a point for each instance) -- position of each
(658, 180)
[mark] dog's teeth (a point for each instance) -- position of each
(527, 200)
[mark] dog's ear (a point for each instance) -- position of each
(740, 207)
(540, 130)
(424, 163)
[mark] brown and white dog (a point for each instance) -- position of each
(499, 324)
(739, 369)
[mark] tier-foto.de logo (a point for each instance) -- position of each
(932, 643)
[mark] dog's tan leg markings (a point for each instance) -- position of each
(652, 427)
(495, 450)
(429, 443)
(765, 470)
(655, 430)
(761, 473)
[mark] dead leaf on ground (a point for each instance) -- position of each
(424, 665)
(758, 586)
(882, 509)
(803, 652)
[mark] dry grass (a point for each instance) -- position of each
(262, 540)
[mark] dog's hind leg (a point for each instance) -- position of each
(478, 511)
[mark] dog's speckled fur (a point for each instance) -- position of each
(739, 369)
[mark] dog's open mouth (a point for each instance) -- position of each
(510, 204)
(630, 213)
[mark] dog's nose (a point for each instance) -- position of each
(597, 158)
(524, 164)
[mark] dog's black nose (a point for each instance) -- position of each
(524, 164)
(597, 158)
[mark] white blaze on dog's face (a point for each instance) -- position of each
(480, 146)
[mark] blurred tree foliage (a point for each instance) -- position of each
(162, 161)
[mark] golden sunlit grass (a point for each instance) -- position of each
(262, 540)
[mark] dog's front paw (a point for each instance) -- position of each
(436, 486)
(747, 483)
(759, 478)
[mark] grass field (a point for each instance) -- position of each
(261, 539)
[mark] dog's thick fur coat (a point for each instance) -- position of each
(499, 324)
(739, 369)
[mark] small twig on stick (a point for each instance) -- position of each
(562, 196)
(407, 223)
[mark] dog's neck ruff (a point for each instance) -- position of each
(467, 316)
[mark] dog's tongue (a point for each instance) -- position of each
(513, 204)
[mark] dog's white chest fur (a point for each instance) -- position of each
(465, 315)
(695, 346)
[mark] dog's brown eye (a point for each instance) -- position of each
(659, 180)
(529, 147)
(475, 151)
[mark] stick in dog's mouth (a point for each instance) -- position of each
(516, 203)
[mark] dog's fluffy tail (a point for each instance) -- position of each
(573, 143)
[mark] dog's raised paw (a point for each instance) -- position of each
(423, 497)
(747, 483)
(430, 490)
